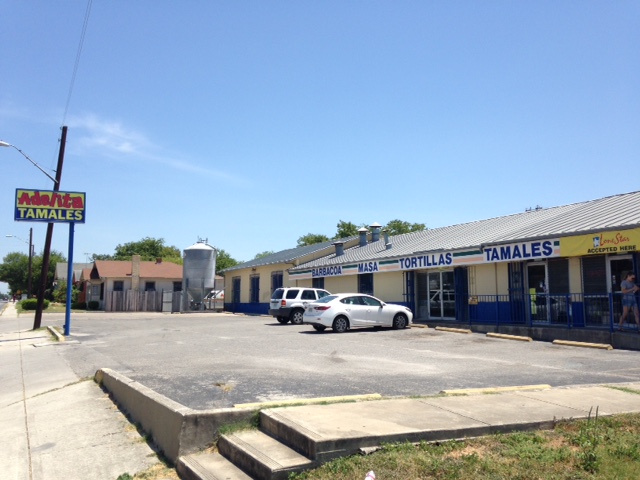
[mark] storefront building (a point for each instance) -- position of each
(559, 266)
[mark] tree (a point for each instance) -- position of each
(149, 249)
(60, 293)
(346, 229)
(311, 239)
(101, 256)
(55, 257)
(266, 253)
(224, 261)
(398, 227)
(14, 270)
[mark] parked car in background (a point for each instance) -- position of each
(214, 300)
(349, 310)
(287, 304)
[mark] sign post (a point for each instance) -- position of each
(53, 206)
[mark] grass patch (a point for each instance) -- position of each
(159, 471)
(624, 389)
(597, 448)
(251, 423)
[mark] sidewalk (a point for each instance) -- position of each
(54, 424)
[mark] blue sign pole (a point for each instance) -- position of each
(67, 316)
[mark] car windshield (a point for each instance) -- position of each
(326, 299)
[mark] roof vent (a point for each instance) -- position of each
(339, 248)
(363, 236)
(375, 232)
(386, 239)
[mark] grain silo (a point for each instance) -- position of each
(199, 272)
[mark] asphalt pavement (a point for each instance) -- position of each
(57, 423)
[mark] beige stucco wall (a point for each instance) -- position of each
(342, 284)
(245, 275)
(489, 279)
(389, 286)
(575, 275)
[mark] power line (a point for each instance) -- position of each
(79, 53)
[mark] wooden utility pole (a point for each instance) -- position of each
(37, 320)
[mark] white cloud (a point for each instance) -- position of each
(114, 140)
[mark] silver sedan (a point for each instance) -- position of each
(343, 311)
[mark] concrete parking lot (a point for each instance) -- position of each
(205, 360)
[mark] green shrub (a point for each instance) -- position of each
(60, 293)
(94, 305)
(79, 306)
(32, 304)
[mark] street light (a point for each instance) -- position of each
(37, 320)
(30, 243)
(5, 144)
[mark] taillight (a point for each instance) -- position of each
(283, 303)
(327, 307)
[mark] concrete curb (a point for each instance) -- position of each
(176, 430)
(453, 330)
(419, 325)
(473, 391)
(55, 333)
(570, 343)
(509, 337)
(310, 401)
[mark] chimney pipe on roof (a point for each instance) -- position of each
(363, 236)
(387, 244)
(375, 232)
(339, 248)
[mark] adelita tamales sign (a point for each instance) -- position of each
(49, 206)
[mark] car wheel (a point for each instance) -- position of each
(296, 317)
(319, 328)
(399, 321)
(282, 320)
(340, 325)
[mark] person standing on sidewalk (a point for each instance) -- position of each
(629, 289)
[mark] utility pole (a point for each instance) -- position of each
(30, 260)
(37, 320)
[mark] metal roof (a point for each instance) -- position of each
(288, 256)
(609, 213)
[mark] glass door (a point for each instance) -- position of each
(537, 290)
(442, 295)
(435, 295)
(618, 268)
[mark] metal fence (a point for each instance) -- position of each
(136, 301)
(571, 310)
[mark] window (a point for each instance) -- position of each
(118, 286)
(558, 276)
(254, 287)
(149, 286)
(372, 302)
(177, 286)
(318, 282)
(235, 289)
(276, 280)
(292, 294)
(308, 295)
(365, 283)
(351, 301)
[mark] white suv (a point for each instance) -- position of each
(288, 303)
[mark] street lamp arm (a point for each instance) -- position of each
(15, 236)
(5, 144)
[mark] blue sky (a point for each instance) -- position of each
(253, 123)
